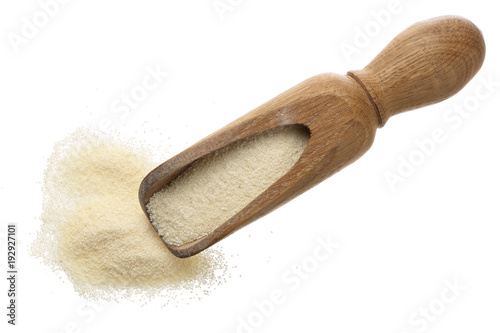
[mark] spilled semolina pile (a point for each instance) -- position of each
(94, 230)
(217, 186)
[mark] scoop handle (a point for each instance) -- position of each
(425, 64)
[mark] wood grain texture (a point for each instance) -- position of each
(425, 64)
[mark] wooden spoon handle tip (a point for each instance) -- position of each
(425, 64)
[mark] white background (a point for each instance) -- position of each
(397, 247)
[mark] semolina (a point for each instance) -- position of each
(94, 230)
(216, 187)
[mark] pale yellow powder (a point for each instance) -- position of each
(96, 232)
(216, 187)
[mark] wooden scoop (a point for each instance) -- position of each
(425, 64)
